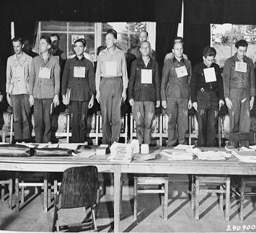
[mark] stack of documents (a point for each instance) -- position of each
(173, 154)
(245, 156)
(212, 155)
(121, 152)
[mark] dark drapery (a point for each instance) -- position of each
(165, 34)
(5, 40)
(26, 29)
(196, 38)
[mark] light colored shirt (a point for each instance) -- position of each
(44, 88)
(119, 58)
(18, 74)
(171, 55)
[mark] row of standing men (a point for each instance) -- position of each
(37, 82)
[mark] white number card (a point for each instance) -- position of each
(181, 71)
(210, 75)
(44, 72)
(19, 72)
(241, 66)
(111, 69)
(146, 76)
(79, 72)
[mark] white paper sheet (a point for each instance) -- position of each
(241, 66)
(181, 71)
(146, 76)
(210, 75)
(44, 72)
(79, 72)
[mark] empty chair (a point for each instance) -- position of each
(6, 179)
(79, 188)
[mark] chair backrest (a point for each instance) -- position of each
(79, 187)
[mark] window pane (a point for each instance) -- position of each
(137, 27)
(89, 40)
(119, 27)
(81, 26)
(122, 41)
(53, 26)
(62, 41)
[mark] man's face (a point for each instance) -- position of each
(55, 42)
(143, 36)
(110, 40)
(79, 48)
(208, 60)
(178, 50)
(43, 46)
(17, 47)
(241, 52)
(145, 49)
(27, 46)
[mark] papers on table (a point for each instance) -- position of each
(245, 156)
(210, 75)
(121, 152)
(241, 66)
(85, 153)
(146, 76)
(173, 154)
(183, 147)
(213, 155)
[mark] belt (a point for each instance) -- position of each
(111, 77)
(206, 90)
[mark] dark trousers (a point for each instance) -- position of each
(21, 117)
(43, 121)
(79, 111)
(207, 117)
(177, 111)
(240, 113)
(111, 99)
(144, 114)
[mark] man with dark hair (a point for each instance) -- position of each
(28, 48)
(111, 85)
(136, 51)
(239, 88)
(171, 55)
(175, 93)
(17, 89)
(144, 92)
(207, 96)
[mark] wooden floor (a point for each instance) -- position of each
(180, 216)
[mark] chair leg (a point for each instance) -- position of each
(135, 198)
(242, 200)
(166, 200)
(192, 194)
(22, 193)
(2, 191)
(197, 200)
(55, 215)
(227, 207)
(17, 191)
(121, 195)
(10, 192)
(94, 218)
(221, 199)
(45, 192)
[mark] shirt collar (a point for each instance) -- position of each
(79, 59)
(22, 59)
(143, 63)
(236, 58)
(174, 60)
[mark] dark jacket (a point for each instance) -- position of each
(198, 81)
(144, 92)
(235, 79)
(172, 86)
(81, 88)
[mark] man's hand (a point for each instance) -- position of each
(221, 103)
(195, 106)
(228, 103)
(131, 102)
(251, 102)
(157, 103)
(189, 104)
(1, 98)
(56, 101)
(9, 99)
(98, 97)
(64, 100)
(164, 105)
(124, 95)
(31, 100)
(91, 103)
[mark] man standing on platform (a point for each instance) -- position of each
(239, 88)
(207, 96)
(111, 85)
(171, 55)
(17, 90)
(144, 92)
(175, 92)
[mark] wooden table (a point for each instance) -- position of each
(59, 164)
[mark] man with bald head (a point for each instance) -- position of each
(136, 51)
(175, 93)
(144, 92)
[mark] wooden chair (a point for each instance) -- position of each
(79, 188)
(199, 186)
(6, 179)
(160, 181)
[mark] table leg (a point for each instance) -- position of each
(117, 198)
(45, 192)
